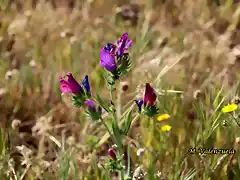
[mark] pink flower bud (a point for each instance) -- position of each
(112, 153)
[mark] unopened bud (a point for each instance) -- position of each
(112, 153)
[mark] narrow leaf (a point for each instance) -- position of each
(127, 123)
(117, 134)
(103, 104)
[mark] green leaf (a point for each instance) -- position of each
(103, 104)
(127, 122)
(117, 134)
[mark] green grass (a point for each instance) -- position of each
(179, 47)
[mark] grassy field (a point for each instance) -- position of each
(189, 52)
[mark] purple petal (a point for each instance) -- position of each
(90, 104)
(128, 44)
(149, 95)
(107, 60)
(123, 44)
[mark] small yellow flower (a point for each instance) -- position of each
(229, 108)
(163, 117)
(166, 128)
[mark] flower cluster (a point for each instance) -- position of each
(147, 105)
(81, 94)
(115, 59)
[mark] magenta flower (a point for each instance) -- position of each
(112, 153)
(123, 44)
(149, 95)
(70, 85)
(149, 98)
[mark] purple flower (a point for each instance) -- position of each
(108, 53)
(123, 44)
(107, 60)
(90, 104)
(148, 99)
(70, 85)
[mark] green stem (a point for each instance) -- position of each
(122, 175)
(114, 110)
(118, 108)
(119, 143)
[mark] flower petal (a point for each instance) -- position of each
(107, 60)
(123, 44)
(73, 84)
(112, 153)
(163, 117)
(166, 128)
(64, 86)
(90, 104)
(229, 108)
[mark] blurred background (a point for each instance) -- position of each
(191, 47)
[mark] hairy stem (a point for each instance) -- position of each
(115, 121)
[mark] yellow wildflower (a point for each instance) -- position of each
(163, 117)
(229, 108)
(166, 128)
